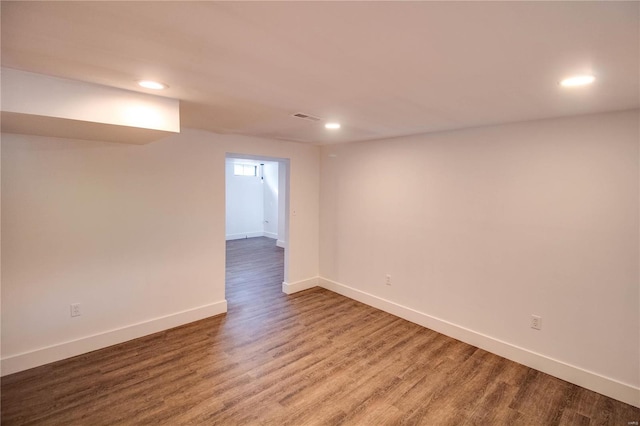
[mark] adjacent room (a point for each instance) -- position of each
(255, 199)
(301, 213)
(255, 223)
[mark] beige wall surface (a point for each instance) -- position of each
(480, 228)
(484, 227)
(132, 232)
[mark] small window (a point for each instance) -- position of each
(245, 170)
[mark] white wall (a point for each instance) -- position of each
(136, 234)
(282, 206)
(481, 228)
(252, 201)
(245, 213)
(478, 228)
(270, 202)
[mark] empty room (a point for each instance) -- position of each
(320, 213)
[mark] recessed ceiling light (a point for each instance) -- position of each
(148, 84)
(332, 125)
(577, 80)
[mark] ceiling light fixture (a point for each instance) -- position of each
(577, 80)
(149, 84)
(332, 125)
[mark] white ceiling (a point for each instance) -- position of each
(382, 69)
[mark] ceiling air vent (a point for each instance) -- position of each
(306, 117)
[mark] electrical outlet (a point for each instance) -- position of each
(75, 310)
(536, 322)
(388, 280)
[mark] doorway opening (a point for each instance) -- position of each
(256, 229)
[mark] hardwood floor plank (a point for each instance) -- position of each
(311, 358)
(543, 397)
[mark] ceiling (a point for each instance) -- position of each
(382, 69)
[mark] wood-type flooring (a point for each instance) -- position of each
(312, 358)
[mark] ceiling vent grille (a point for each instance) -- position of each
(306, 117)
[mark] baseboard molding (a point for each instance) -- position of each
(281, 244)
(253, 235)
(584, 378)
(290, 288)
(244, 235)
(38, 357)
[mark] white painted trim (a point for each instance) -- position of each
(35, 358)
(587, 379)
(281, 244)
(290, 288)
(244, 235)
(270, 235)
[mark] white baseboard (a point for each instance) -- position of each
(253, 235)
(244, 235)
(35, 358)
(290, 288)
(281, 244)
(570, 373)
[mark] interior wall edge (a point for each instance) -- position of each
(294, 287)
(24, 361)
(570, 373)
